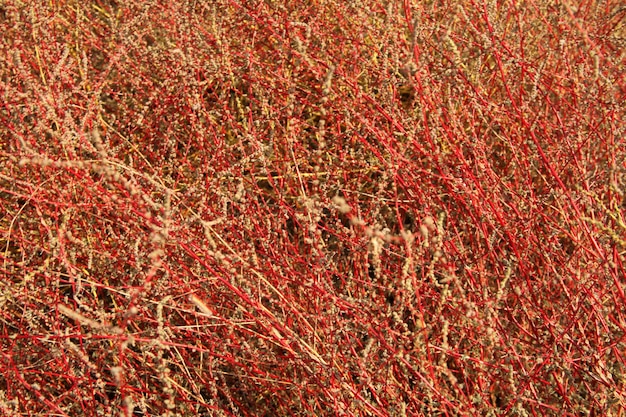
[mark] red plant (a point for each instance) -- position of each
(261, 208)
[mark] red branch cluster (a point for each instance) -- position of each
(324, 208)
